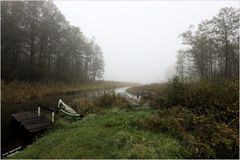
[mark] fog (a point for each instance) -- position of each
(139, 39)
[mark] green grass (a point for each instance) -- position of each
(108, 134)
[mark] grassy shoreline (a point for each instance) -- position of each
(19, 92)
(112, 133)
(201, 124)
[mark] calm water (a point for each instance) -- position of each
(123, 90)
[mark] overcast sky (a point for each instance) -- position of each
(138, 38)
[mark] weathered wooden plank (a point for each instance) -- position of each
(37, 125)
(31, 121)
(34, 120)
(23, 116)
(38, 129)
(23, 113)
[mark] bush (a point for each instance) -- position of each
(85, 106)
(110, 99)
(219, 98)
(205, 116)
(202, 136)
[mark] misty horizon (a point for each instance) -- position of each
(139, 40)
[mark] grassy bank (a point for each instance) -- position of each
(186, 120)
(112, 133)
(17, 92)
(204, 115)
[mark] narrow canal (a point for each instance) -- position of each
(13, 136)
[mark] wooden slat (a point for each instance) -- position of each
(38, 129)
(31, 121)
(37, 125)
(24, 115)
(34, 120)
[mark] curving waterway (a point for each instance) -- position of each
(13, 136)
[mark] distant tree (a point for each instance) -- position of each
(213, 45)
(181, 63)
(39, 44)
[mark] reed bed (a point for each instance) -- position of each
(18, 92)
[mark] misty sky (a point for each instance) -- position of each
(139, 39)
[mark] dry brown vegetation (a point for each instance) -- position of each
(86, 106)
(204, 115)
(154, 87)
(18, 92)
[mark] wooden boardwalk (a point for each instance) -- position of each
(31, 121)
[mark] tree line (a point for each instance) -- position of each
(212, 48)
(39, 44)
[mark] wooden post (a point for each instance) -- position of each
(52, 117)
(38, 111)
